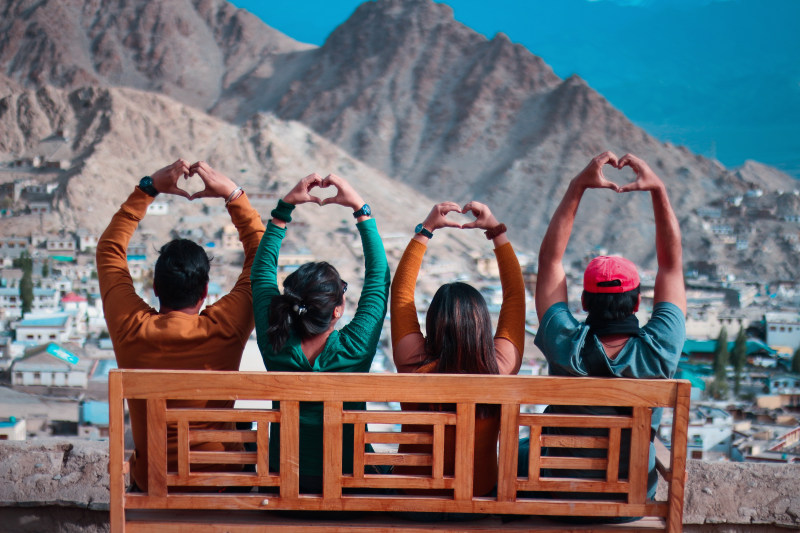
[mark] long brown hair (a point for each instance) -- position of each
(459, 335)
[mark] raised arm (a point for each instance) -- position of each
(120, 301)
(551, 281)
(509, 338)
(408, 343)
(669, 252)
(236, 307)
(264, 273)
(364, 330)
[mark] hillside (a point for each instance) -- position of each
(401, 86)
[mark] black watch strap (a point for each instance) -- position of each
(423, 231)
(365, 211)
(146, 184)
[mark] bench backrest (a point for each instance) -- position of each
(516, 396)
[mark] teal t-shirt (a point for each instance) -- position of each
(571, 351)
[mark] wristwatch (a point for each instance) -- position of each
(146, 184)
(365, 211)
(420, 229)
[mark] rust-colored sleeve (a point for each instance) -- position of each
(511, 323)
(120, 301)
(409, 353)
(236, 307)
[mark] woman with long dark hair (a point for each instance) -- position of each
(296, 329)
(459, 332)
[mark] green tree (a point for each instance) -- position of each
(719, 387)
(46, 268)
(26, 283)
(796, 361)
(738, 359)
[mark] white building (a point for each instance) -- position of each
(12, 428)
(50, 366)
(783, 329)
(38, 328)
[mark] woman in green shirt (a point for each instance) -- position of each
(296, 329)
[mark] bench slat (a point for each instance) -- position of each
(576, 421)
(386, 437)
(407, 503)
(223, 458)
(417, 388)
(399, 417)
(573, 463)
(574, 485)
(220, 435)
(575, 441)
(221, 415)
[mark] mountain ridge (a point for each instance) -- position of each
(401, 86)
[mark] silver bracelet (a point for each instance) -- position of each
(232, 196)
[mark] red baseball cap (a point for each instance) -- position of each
(610, 274)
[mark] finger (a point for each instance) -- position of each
(629, 160)
(450, 224)
(609, 185)
(630, 187)
(180, 192)
(449, 208)
(326, 201)
(605, 157)
(470, 225)
(313, 178)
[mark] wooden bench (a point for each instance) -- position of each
(166, 508)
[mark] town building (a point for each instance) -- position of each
(783, 329)
(50, 365)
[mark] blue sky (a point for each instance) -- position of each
(719, 76)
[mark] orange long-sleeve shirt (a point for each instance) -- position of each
(410, 356)
(144, 338)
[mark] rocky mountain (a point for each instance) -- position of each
(118, 135)
(400, 86)
(191, 50)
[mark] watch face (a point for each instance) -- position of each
(366, 210)
(418, 228)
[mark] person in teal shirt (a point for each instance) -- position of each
(296, 329)
(610, 343)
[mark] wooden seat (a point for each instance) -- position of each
(172, 502)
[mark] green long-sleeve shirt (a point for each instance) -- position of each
(350, 349)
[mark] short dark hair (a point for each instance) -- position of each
(611, 306)
(181, 274)
(310, 295)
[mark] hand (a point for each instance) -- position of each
(300, 193)
(437, 217)
(346, 195)
(646, 179)
(165, 180)
(592, 176)
(484, 219)
(217, 184)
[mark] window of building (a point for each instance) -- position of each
(772, 328)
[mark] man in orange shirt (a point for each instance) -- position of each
(178, 335)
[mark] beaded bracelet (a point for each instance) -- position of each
(283, 211)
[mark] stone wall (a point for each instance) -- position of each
(58, 485)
